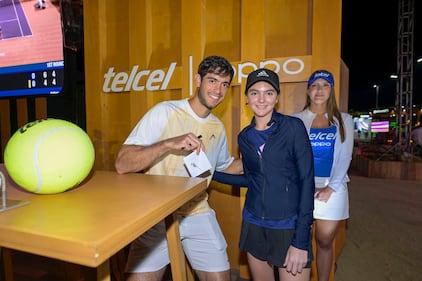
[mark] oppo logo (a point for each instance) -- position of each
(271, 64)
(155, 80)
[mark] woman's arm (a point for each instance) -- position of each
(305, 170)
(343, 154)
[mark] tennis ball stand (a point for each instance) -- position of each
(7, 204)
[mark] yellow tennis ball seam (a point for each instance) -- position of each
(36, 152)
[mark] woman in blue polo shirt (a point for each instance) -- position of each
(331, 134)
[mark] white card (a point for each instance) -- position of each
(197, 163)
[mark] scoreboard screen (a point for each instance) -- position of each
(32, 79)
(31, 48)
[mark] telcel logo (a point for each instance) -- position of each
(322, 136)
(123, 82)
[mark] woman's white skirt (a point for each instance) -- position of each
(336, 208)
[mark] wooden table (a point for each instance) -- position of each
(89, 224)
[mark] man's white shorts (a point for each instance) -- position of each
(202, 241)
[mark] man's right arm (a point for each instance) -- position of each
(136, 158)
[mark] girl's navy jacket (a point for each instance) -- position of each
(280, 180)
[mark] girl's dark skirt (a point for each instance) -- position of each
(268, 244)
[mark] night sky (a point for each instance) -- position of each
(369, 49)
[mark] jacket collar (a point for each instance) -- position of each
(275, 117)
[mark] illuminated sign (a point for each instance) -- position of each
(381, 111)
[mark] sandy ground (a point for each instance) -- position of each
(384, 234)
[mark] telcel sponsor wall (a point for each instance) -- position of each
(138, 53)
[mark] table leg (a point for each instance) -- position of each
(177, 256)
(103, 271)
(7, 263)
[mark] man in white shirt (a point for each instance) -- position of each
(157, 145)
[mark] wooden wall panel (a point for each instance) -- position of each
(326, 39)
(152, 34)
(287, 26)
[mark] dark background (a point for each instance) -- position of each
(369, 49)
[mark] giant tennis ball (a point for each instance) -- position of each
(49, 156)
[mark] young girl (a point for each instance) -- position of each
(279, 174)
